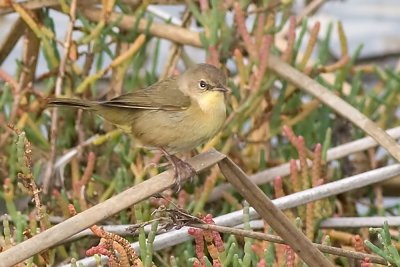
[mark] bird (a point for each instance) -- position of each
(176, 114)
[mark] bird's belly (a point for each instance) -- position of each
(177, 131)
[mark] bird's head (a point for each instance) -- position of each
(205, 84)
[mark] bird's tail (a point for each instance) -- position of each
(70, 102)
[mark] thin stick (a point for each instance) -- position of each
(360, 222)
(101, 211)
(59, 83)
(175, 50)
(11, 39)
(341, 222)
(170, 32)
(37, 4)
(9, 79)
(310, 8)
(272, 215)
(329, 223)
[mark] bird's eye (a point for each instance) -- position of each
(203, 84)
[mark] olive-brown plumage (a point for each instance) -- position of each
(175, 114)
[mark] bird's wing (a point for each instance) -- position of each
(163, 95)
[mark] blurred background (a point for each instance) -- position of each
(60, 156)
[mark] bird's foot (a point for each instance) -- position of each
(182, 169)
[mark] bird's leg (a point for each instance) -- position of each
(182, 169)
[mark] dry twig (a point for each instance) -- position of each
(59, 83)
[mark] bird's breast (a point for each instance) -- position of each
(182, 130)
(202, 121)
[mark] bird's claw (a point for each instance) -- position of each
(183, 171)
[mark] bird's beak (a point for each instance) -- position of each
(221, 88)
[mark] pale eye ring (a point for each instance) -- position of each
(202, 84)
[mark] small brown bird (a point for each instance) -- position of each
(176, 114)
